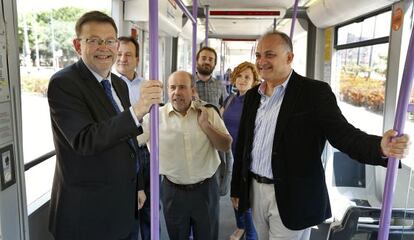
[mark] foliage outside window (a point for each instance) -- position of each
(45, 45)
(362, 62)
(362, 76)
(45, 33)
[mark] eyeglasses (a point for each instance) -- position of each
(111, 42)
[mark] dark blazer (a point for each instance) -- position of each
(309, 115)
(94, 187)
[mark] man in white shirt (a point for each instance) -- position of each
(189, 137)
(286, 123)
(126, 64)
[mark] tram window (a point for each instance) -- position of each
(409, 128)
(45, 33)
(146, 55)
(184, 57)
(370, 28)
(361, 71)
(219, 46)
(300, 46)
(361, 85)
(238, 52)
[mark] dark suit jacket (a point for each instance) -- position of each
(308, 116)
(94, 187)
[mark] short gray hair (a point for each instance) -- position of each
(285, 38)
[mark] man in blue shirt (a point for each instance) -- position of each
(286, 122)
(126, 63)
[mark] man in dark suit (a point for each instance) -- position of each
(94, 130)
(286, 121)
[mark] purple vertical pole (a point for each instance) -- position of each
(399, 123)
(207, 16)
(222, 58)
(195, 13)
(195, 10)
(154, 163)
(295, 13)
(185, 10)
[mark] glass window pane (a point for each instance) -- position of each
(184, 52)
(368, 27)
(222, 61)
(409, 129)
(45, 33)
(382, 25)
(361, 85)
(146, 55)
(374, 27)
(349, 33)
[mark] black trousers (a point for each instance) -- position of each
(197, 209)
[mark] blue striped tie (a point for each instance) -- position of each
(108, 91)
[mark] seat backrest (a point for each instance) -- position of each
(351, 223)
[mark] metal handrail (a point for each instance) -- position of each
(39, 160)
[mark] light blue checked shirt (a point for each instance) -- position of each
(265, 128)
(212, 91)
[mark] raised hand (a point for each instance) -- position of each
(151, 93)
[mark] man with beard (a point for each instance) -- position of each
(213, 92)
(208, 88)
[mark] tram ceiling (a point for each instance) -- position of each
(243, 18)
(239, 27)
(247, 4)
(322, 13)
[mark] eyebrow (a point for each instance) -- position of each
(178, 85)
(266, 52)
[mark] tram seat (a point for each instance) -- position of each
(365, 220)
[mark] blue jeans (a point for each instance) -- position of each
(244, 221)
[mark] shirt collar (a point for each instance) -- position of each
(198, 79)
(136, 77)
(263, 85)
(99, 77)
(170, 108)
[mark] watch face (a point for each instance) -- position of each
(199, 103)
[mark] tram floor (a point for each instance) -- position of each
(227, 223)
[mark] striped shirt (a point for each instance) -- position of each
(265, 128)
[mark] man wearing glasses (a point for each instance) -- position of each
(94, 131)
